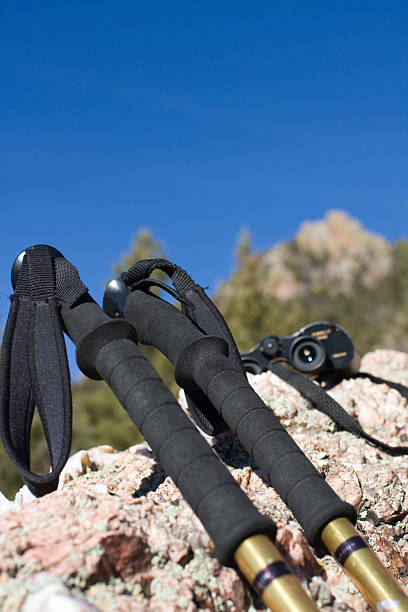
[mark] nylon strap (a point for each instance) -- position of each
(380, 381)
(200, 309)
(34, 366)
(144, 268)
(326, 404)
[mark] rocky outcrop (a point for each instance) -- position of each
(118, 536)
(330, 253)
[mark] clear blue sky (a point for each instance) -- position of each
(195, 119)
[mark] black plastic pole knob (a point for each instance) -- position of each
(114, 299)
(18, 262)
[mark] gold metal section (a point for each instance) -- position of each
(375, 583)
(283, 594)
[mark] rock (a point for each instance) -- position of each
(5, 504)
(51, 594)
(336, 248)
(117, 535)
(391, 365)
(23, 496)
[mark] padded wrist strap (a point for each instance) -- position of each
(34, 366)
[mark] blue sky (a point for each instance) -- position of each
(196, 119)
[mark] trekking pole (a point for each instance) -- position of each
(202, 365)
(107, 349)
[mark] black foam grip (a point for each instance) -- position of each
(158, 323)
(200, 360)
(223, 508)
(90, 329)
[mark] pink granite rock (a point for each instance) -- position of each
(118, 536)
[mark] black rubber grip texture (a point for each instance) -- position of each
(200, 361)
(223, 508)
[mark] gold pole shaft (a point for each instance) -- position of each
(264, 568)
(375, 583)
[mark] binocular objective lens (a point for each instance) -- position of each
(307, 355)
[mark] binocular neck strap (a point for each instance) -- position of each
(34, 367)
(326, 404)
(402, 390)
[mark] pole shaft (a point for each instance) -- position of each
(375, 583)
(264, 568)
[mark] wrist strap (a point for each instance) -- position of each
(200, 309)
(34, 366)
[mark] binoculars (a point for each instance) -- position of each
(319, 349)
